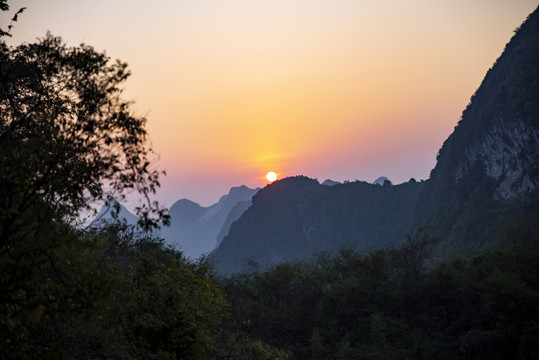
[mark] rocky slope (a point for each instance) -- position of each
(499, 129)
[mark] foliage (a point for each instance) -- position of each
(115, 293)
(159, 305)
(66, 135)
(4, 6)
(394, 304)
(66, 138)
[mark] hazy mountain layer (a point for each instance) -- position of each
(106, 212)
(194, 229)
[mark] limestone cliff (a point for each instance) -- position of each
(508, 153)
(498, 135)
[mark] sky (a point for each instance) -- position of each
(339, 89)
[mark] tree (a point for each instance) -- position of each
(5, 7)
(66, 135)
(161, 306)
(411, 260)
(67, 138)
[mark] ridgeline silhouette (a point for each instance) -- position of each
(486, 172)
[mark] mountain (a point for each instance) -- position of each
(295, 217)
(185, 213)
(487, 172)
(234, 214)
(488, 168)
(382, 181)
(105, 214)
(329, 182)
(498, 132)
(194, 229)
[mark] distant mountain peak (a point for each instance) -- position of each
(194, 229)
(185, 201)
(382, 180)
(106, 214)
(241, 191)
(329, 182)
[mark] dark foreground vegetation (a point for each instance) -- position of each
(113, 294)
(396, 304)
(110, 293)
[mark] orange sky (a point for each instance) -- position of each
(340, 89)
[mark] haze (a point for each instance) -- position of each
(336, 89)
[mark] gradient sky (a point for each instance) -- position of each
(340, 89)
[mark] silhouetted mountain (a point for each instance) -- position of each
(295, 217)
(232, 216)
(382, 180)
(498, 132)
(194, 229)
(488, 168)
(185, 212)
(329, 182)
(105, 214)
(486, 171)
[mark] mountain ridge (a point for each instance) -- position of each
(194, 229)
(487, 171)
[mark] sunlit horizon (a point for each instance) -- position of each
(341, 90)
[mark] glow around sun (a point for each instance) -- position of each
(271, 176)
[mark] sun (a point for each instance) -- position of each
(271, 176)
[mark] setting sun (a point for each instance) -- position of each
(271, 176)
